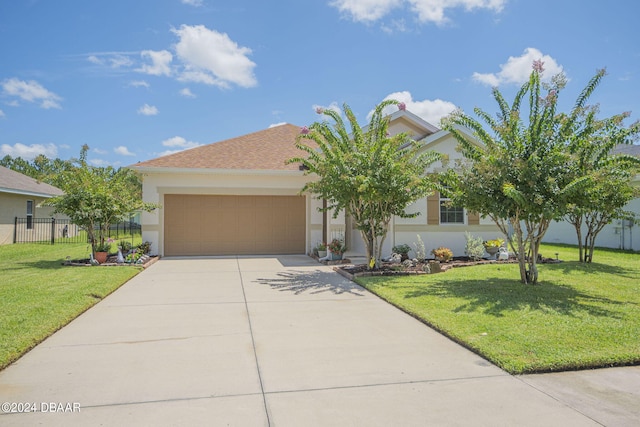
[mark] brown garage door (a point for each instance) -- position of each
(233, 225)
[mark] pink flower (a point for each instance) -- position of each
(304, 130)
(538, 65)
(319, 110)
(402, 106)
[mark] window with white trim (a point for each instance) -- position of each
(450, 214)
(29, 214)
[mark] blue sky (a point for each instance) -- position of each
(136, 79)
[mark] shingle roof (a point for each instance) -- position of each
(633, 150)
(263, 150)
(15, 182)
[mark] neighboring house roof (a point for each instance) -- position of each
(17, 183)
(263, 150)
(633, 150)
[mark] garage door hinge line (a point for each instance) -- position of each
(253, 343)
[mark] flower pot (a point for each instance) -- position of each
(322, 254)
(493, 250)
(335, 257)
(101, 257)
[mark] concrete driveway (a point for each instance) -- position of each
(278, 341)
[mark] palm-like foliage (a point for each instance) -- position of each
(365, 172)
(608, 175)
(519, 176)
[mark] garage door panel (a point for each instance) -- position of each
(230, 225)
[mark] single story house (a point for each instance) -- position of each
(21, 197)
(238, 196)
(619, 234)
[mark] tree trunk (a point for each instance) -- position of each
(522, 256)
(576, 220)
(534, 247)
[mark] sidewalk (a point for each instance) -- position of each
(283, 342)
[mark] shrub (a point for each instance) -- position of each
(474, 247)
(442, 253)
(402, 250)
(337, 247)
(421, 252)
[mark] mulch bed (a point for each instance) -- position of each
(112, 261)
(397, 269)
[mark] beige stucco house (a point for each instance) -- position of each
(239, 197)
(21, 196)
(619, 234)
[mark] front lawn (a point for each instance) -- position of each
(578, 316)
(38, 295)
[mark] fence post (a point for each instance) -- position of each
(15, 230)
(53, 231)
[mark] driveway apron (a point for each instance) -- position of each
(262, 341)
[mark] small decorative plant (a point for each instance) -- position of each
(421, 252)
(144, 247)
(125, 245)
(474, 247)
(321, 247)
(442, 253)
(403, 250)
(133, 257)
(104, 246)
(495, 243)
(337, 247)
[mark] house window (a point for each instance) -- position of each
(29, 214)
(450, 214)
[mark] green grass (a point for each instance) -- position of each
(38, 295)
(578, 317)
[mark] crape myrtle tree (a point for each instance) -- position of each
(96, 197)
(608, 187)
(518, 176)
(365, 172)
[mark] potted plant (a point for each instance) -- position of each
(493, 246)
(321, 249)
(403, 250)
(102, 249)
(442, 254)
(337, 249)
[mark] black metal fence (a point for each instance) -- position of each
(52, 231)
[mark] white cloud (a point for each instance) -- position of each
(365, 10)
(213, 58)
(277, 124)
(31, 91)
(186, 92)
(2, 113)
(160, 62)
(29, 152)
(123, 151)
(112, 59)
(118, 61)
(177, 142)
(180, 142)
(139, 83)
(517, 69)
(196, 3)
(95, 60)
(430, 110)
(434, 10)
(148, 110)
(426, 10)
(99, 151)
